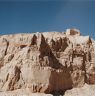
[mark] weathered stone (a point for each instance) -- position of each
(46, 62)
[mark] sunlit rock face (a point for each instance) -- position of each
(46, 62)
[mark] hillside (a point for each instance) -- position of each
(47, 63)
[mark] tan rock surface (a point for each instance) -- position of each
(86, 90)
(22, 93)
(46, 62)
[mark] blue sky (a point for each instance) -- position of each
(18, 16)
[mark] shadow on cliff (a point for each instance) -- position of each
(60, 79)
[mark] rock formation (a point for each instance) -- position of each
(48, 62)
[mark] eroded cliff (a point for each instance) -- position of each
(49, 62)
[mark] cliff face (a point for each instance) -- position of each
(46, 62)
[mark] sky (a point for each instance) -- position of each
(27, 16)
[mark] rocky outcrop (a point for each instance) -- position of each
(46, 62)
